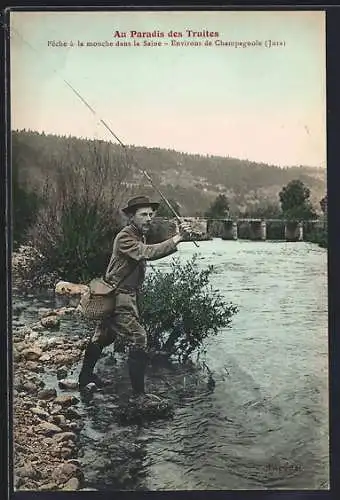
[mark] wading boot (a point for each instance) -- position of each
(137, 363)
(86, 375)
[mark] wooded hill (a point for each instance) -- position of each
(193, 181)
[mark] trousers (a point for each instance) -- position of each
(123, 327)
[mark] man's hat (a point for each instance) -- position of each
(138, 202)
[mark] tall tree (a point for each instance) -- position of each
(295, 203)
(323, 204)
(218, 208)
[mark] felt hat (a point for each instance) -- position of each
(139, 202)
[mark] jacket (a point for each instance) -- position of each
(129, 255)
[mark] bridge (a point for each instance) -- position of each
(255, 229)
(259, 229)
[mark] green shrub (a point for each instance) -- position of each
(74, 230)
(77, 247)
(180, 309)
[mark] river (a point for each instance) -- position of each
(265, 424)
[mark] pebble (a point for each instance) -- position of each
(28, 471)
(64, 472)
(64, 436)
(50, 321)
(30, 387)
(56, 410)
(66, 384)
(72, 484)
(33, 366)
(66, 400)
(40, 412)
(59, 420)
(47, 428)
(65, 453)
(45, 357)
(71, 413)
(47, 394)
(75, 427)
(32, 353)
(61, 373)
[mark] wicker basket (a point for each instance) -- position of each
(94, 306)
(99, 301)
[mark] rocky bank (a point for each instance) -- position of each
(46, 422)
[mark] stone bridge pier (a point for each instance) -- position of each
(258, 230)
(229, 230)
(293, 231)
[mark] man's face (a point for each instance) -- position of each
(142, 218)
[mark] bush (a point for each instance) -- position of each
(320, 237)
(25, 205)
(179, 309)
(77, 247)
(75, 229)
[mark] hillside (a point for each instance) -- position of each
(192, 180)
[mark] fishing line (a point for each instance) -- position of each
(129, 157)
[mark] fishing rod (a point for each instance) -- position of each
(93, 111)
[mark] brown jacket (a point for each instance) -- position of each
(128, 258)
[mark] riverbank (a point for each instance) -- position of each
(46, 422)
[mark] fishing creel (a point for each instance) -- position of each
(99, 301)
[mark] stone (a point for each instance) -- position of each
(66, 400)
(71, 484)
(75, 427)
(65, 310)
(47, 344)
(65, 471)
(40, 412)
(37, 327)
(74, 461)
(55, 410)
(33, 336)
(32, 353)
(67, 288)
(145, 407)
(45, 357)
(65, 453)
(72, 414)
(33, 366)
(59, 420)
(30, 387)
(47, 428)
(50, 322)
(64, 436)
(47, 394)
(61, 373)
(28, 471)
(68, 385)
(25, 331)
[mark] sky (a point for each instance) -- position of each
(257, 102)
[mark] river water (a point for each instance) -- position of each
(265, 424)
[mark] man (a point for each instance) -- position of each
(127, 270)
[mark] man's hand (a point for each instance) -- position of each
(181, 230)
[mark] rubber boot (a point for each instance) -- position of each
(137, 362)
(91, 356)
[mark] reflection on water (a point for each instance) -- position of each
(265, 425)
